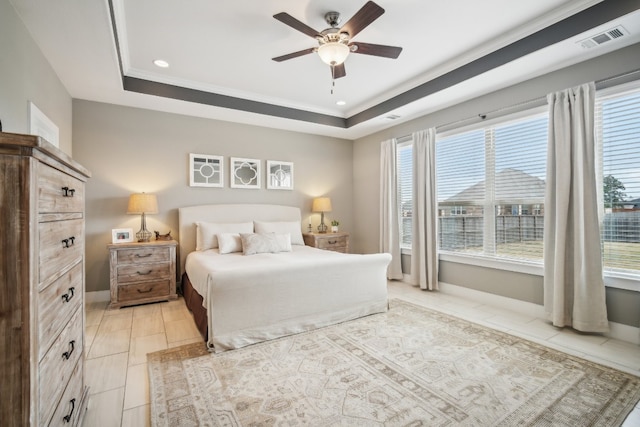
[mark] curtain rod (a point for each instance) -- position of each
(535, 102)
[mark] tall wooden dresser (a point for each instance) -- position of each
(42, 270)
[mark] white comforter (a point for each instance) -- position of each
(264, 296)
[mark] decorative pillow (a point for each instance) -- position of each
(265, 243)
(206, 232)
(291, 227)
(229, 242)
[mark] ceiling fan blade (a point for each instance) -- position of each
(293, 55)
(365, 16)
(289, 20)
(376, 50)
(339, 71)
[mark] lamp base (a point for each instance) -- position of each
(143, 235)
(322, 228)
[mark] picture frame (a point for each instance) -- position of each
(244, 173)
(279, 175)
(206, 170)
(122, 235)
(41, 125)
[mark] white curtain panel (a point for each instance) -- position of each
(424, 256)
(389, 218)
(574, 292)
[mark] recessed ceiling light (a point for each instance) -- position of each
(161, 63)
(341, 102)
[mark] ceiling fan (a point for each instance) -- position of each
(335, 44)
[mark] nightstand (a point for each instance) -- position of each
(338, 242)
(142, 272)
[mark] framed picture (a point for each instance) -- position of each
(122, 235)
(279, 175)
(206, 170)
(41, 125)
(244, 173)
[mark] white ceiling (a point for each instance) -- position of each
(225, 47)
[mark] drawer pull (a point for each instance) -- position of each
(68, 242)
(67, 354)
(145, 292)
(146, 273)
(68, 192)
(333, 242)
(67, 418)
(143, 256)
(66, 297)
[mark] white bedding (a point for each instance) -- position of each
(264, 296)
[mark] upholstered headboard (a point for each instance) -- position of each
(188, 216)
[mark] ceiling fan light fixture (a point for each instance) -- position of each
(333, 53)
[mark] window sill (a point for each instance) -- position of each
(611, 279)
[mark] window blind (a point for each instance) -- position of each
(618, 137)
(491, 184)
(404, 168)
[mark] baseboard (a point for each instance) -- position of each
(97, 296)
(616, 330)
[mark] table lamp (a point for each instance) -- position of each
(322, 205)
(142, 203)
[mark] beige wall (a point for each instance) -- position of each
(366, 160)
(133, 150)
(25, 75)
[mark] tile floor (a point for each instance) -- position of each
(117, 342)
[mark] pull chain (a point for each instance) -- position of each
(333, 76)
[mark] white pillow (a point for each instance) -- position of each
(253, 243)
(291, 227)
(229, 242)
(206, 232)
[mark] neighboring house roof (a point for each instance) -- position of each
(635, 203)
(511, 184)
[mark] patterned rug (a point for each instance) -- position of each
(409, 367)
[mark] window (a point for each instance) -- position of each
(618, 135)
(404, 170)
(491, 185)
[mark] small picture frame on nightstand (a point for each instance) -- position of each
(122, 235)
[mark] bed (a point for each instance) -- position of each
(238, 300)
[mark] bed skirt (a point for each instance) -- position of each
(194, 303)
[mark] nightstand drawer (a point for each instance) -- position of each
(143, 255)
(143, 272)
(332, 242)
(137, 291)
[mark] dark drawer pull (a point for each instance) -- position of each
(146, 273)
(66, 297)
(68, 242)
(67, 418)
(67, 354)
(145, 292)
(68, 192)
(143, 256)
(333, 242)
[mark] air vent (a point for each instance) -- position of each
(392, 117)
(598, 39)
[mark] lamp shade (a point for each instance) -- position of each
(140, 203)
(333, 53)
(321, 204)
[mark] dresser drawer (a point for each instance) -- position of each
(56, 368)
(59, 192)
(143, 272)
(143, 255)
(61, 243)
(140, 291)
(332, 242)
(56, 304)
(68, 408)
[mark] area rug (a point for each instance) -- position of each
(408, 367)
